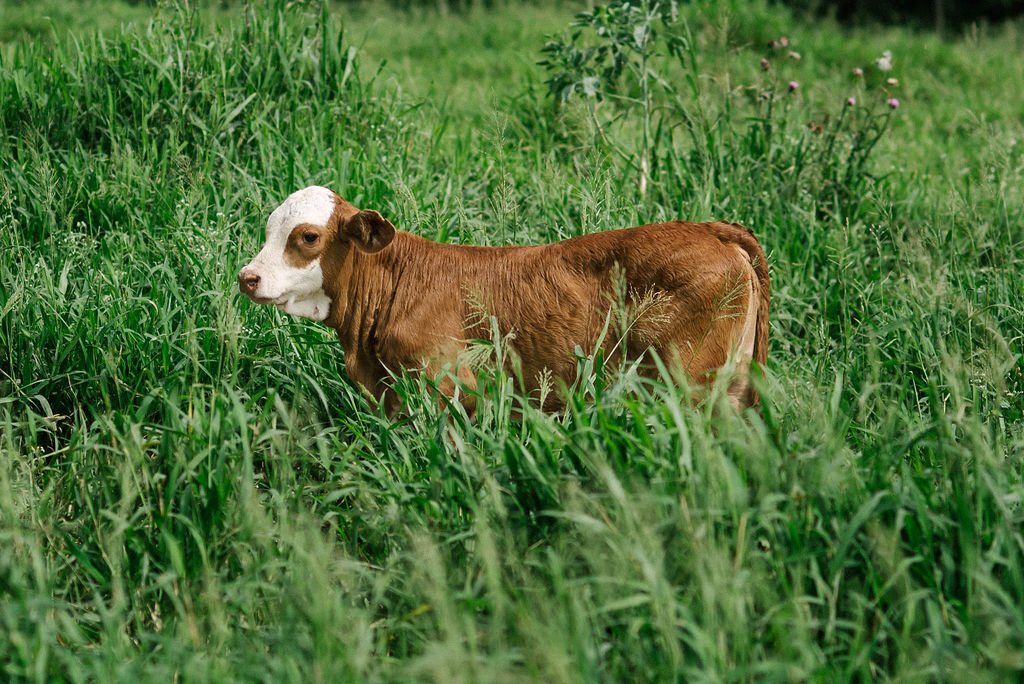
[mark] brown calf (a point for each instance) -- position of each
(695, 293)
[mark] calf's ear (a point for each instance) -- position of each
(370, 231)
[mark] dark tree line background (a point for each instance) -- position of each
(926, 14)
(935, 14)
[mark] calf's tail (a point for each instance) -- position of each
(744, 238)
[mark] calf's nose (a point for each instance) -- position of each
(248, 282)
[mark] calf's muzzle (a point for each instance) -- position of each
(248, 282)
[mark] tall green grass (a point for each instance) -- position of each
(191, 488)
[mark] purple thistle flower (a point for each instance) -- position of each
(793, 85)
(893, 102)
(765, 64)
(850, 101)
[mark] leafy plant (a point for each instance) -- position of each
(611, 53)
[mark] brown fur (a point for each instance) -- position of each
(401, 302)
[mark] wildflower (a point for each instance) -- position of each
(779, 43)
(892, 81)
(885, 61)
(850, 101)
(765, 64)
(893, 102)
(793, 85)
(795, 56)
(858, 72)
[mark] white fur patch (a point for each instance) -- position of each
(297, 291)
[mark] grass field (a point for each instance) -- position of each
(192, 490)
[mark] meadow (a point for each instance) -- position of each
(192, 490)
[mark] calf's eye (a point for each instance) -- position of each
(309, 238)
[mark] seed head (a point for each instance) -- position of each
(885, 61)
(858, 72)
(892, 81)
(795, 56)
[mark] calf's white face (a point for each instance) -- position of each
(287, 272)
